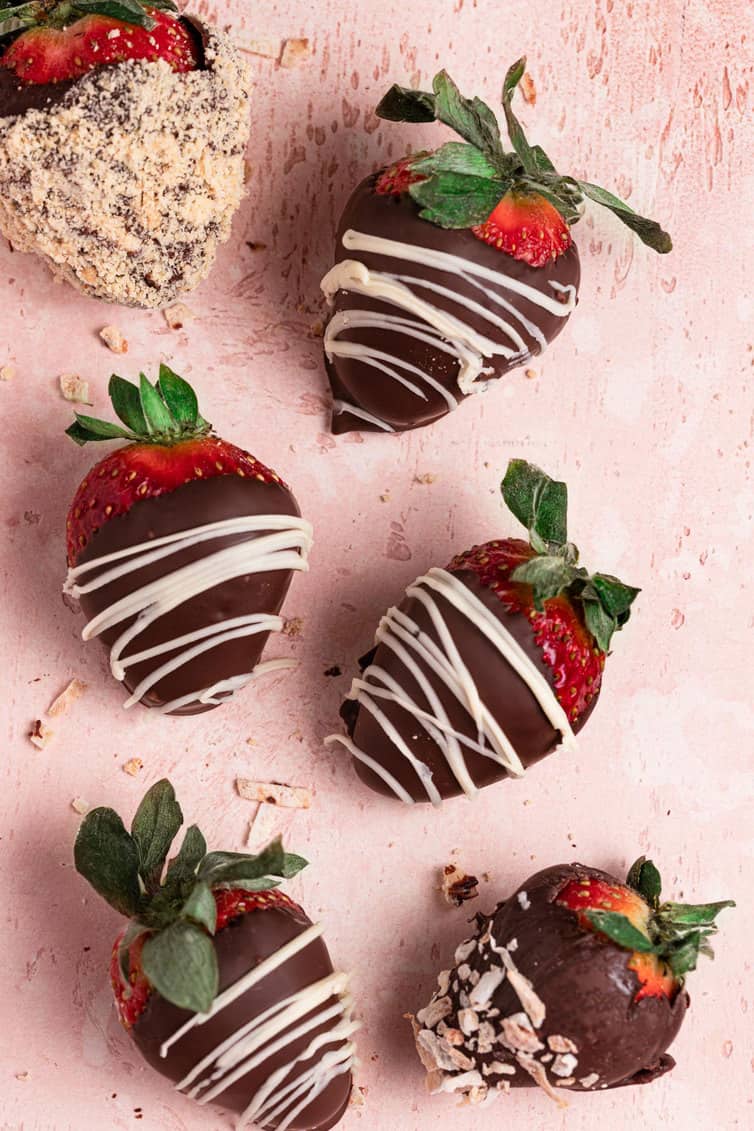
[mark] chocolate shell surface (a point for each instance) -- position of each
(424, 316)
(279, 1052)
(207, 603)
(126, 181)
(440, 708)
(536, 999)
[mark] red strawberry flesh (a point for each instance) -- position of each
(527, 227)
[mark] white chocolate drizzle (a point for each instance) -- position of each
(286, 1092)
(450, 333)
(422, 656)
(272, 542)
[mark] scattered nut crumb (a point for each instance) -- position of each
(358, 1096)
(7, 372)
(274, 793)
(133, 766)
(425, 479)
(528, 89)
(23, 1076)
(457, 886)
(267, 48)
(113, 339)
(530, 374)
(74, 388)
(334, 671)
(68, 695)
(40, 734)
(293, 626)
(80, 806)
(256, 245)
(385, 497)
(294, 51)
(178, 315)
(317, 329)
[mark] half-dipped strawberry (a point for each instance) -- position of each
(223, 982)
(181, 549)
(574, 983)
(452, 267)
(123, 127)
(488, 665)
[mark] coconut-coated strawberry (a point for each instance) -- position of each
(144, 470)
(527, 227)
(56, 52)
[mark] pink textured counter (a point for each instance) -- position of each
(643, 405)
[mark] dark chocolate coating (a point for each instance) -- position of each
(16, 96)
(500, 688)
(585, 984)
(397, 218)
(241, 946)
(195, 504)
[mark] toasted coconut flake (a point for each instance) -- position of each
(518, 1034)
(468, 1019)
(178, 315)
(425, 479)
(274, 793)
(463, 951)
(461, 1082)
(113, 338)
(293, 627)
(440, 1053)
(443, 981)
(476, 1095)
(590, 1080)
(23, 1076)
(561, 1044)
(68, 695)
(74, 388)
(498, 1068)
(133, 766)
(484, 989)
(358, 1096)
(523, 901)
(538, 1074)
(458, 886)
(267, 48)
(80, 806)
(568, 1082)
(564, 1064)
(454, 1037)
(40, 734)
(522, 987)
(294, 51)
(436, 1011)
(528, 89)
(486, 1037)
(7, 372)
(267, 823)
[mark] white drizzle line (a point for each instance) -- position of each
(399, 632)
(447, 332)
(283, 1095)
(275, 542)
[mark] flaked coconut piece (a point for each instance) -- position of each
(567, 1082)
(590, 1080)
(443, 982)
(523, 901)
(458, 1083)
(74, 388)
(81, 806)
(40, 734)
(458, 886)
(518, 1034)
(443, 1054)
(133, 767)
(468, 1020)
(73, 691)
(274, 793)
(561, 1044)
(454, 1037)
(358, 1096)
(463, 951)
(538, 1074)
(7, 372)
(294, 51)
(528, 89)
(521, 985)
(268, 822)
(482, 992)
(178, 315)
(498, 1068)
(113, 338)
(486, 1037)
(425, 479)
(564, 1064)
(477, 1095)
(436, 1011)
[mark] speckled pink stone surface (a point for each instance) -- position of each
(643, 405)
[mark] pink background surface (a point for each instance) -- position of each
(643, 405)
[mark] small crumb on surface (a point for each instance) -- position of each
(133, 766)
(294, 51)
(68, 695)
(335, 670)
(458, 886)
(426, 478)
(358, 1096)
(74, 388)
(81, 806)
(178, 315)
(39, 735)
(528, 89)
(113, 339)
(23, 1076)
(530, 374)
(293, 627)
(7, 372)
(274, 793)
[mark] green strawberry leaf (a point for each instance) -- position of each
(242, 870)
(695, 914)
(133, 931)
(621, 930)
(128, 11)
(456, 200)
(178, 396)
(201, 908)
(644, 877)
(547, 575)
(599, 622)
(156, 413)
(127, 404)
(683, 959)
(403, 105)
(455, 157)
(87, 429)
(648, 231)
(615, 597)
(538, 502)
(154, 828)
(181, 964)
(193, 849)
(470, 118)
(106, 856)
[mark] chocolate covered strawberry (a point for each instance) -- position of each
(223, 982)
(488, 665)
(123, 127)
(452, 267)
(576, 982)
(181, 549)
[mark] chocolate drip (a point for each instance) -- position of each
(195, 504)
(373, 391)
(240, 947)
(592, 1020)
(503, 691)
